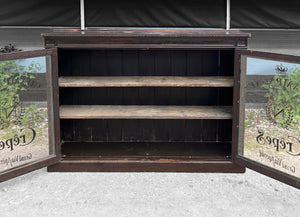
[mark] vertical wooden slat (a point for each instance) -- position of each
(201, 96)
(114, 62)
(148, 130)
(133, 130)
(98, 130)
(178, 68)
(226, 62)
(225, 130)
(176, 130)
(209, 130)
(161, 129)
(98, 63)
(115, 95)
(67, 132)
(194, 63)
(225, 96)
(114, 130)
(130, 96)
(83, 130)
(209, 62)
(130, 62)
(178, 96)
(162, 96)
(147, 96)
(102, 96)
(162, 63)
(178, 63)
(65, 62)
(192, 130)
(80, 62)
(146, 63)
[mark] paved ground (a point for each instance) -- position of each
(147, 194)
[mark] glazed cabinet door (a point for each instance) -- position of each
(267, 128)
(27, 137)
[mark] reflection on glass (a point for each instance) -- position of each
(24, 133)
(272, 114)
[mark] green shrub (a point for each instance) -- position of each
(14, 78)
(284, 92)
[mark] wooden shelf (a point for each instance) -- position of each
(144, 112)
(146, 81)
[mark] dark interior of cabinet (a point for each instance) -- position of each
(146, 137)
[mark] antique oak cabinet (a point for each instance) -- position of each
(150, 100)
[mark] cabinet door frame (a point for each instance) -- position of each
(238, 130)
(52, 105)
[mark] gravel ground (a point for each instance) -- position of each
(147, 194)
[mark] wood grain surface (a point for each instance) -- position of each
(146, 81)
(144, 112)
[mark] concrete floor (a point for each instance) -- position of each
(147, 194)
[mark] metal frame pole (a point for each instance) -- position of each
(82, 17)
(227, 14)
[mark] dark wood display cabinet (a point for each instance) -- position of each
(147, 100)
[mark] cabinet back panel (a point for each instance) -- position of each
(226, 62)
(115, 62)
(146, 149)
(114, 130)
(136, 135)
(145, 96)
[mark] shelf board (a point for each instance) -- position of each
(144, 112)
(146, 81)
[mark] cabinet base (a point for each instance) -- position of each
(145, 166)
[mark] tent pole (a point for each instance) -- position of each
(228, 15)
(82, 17)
